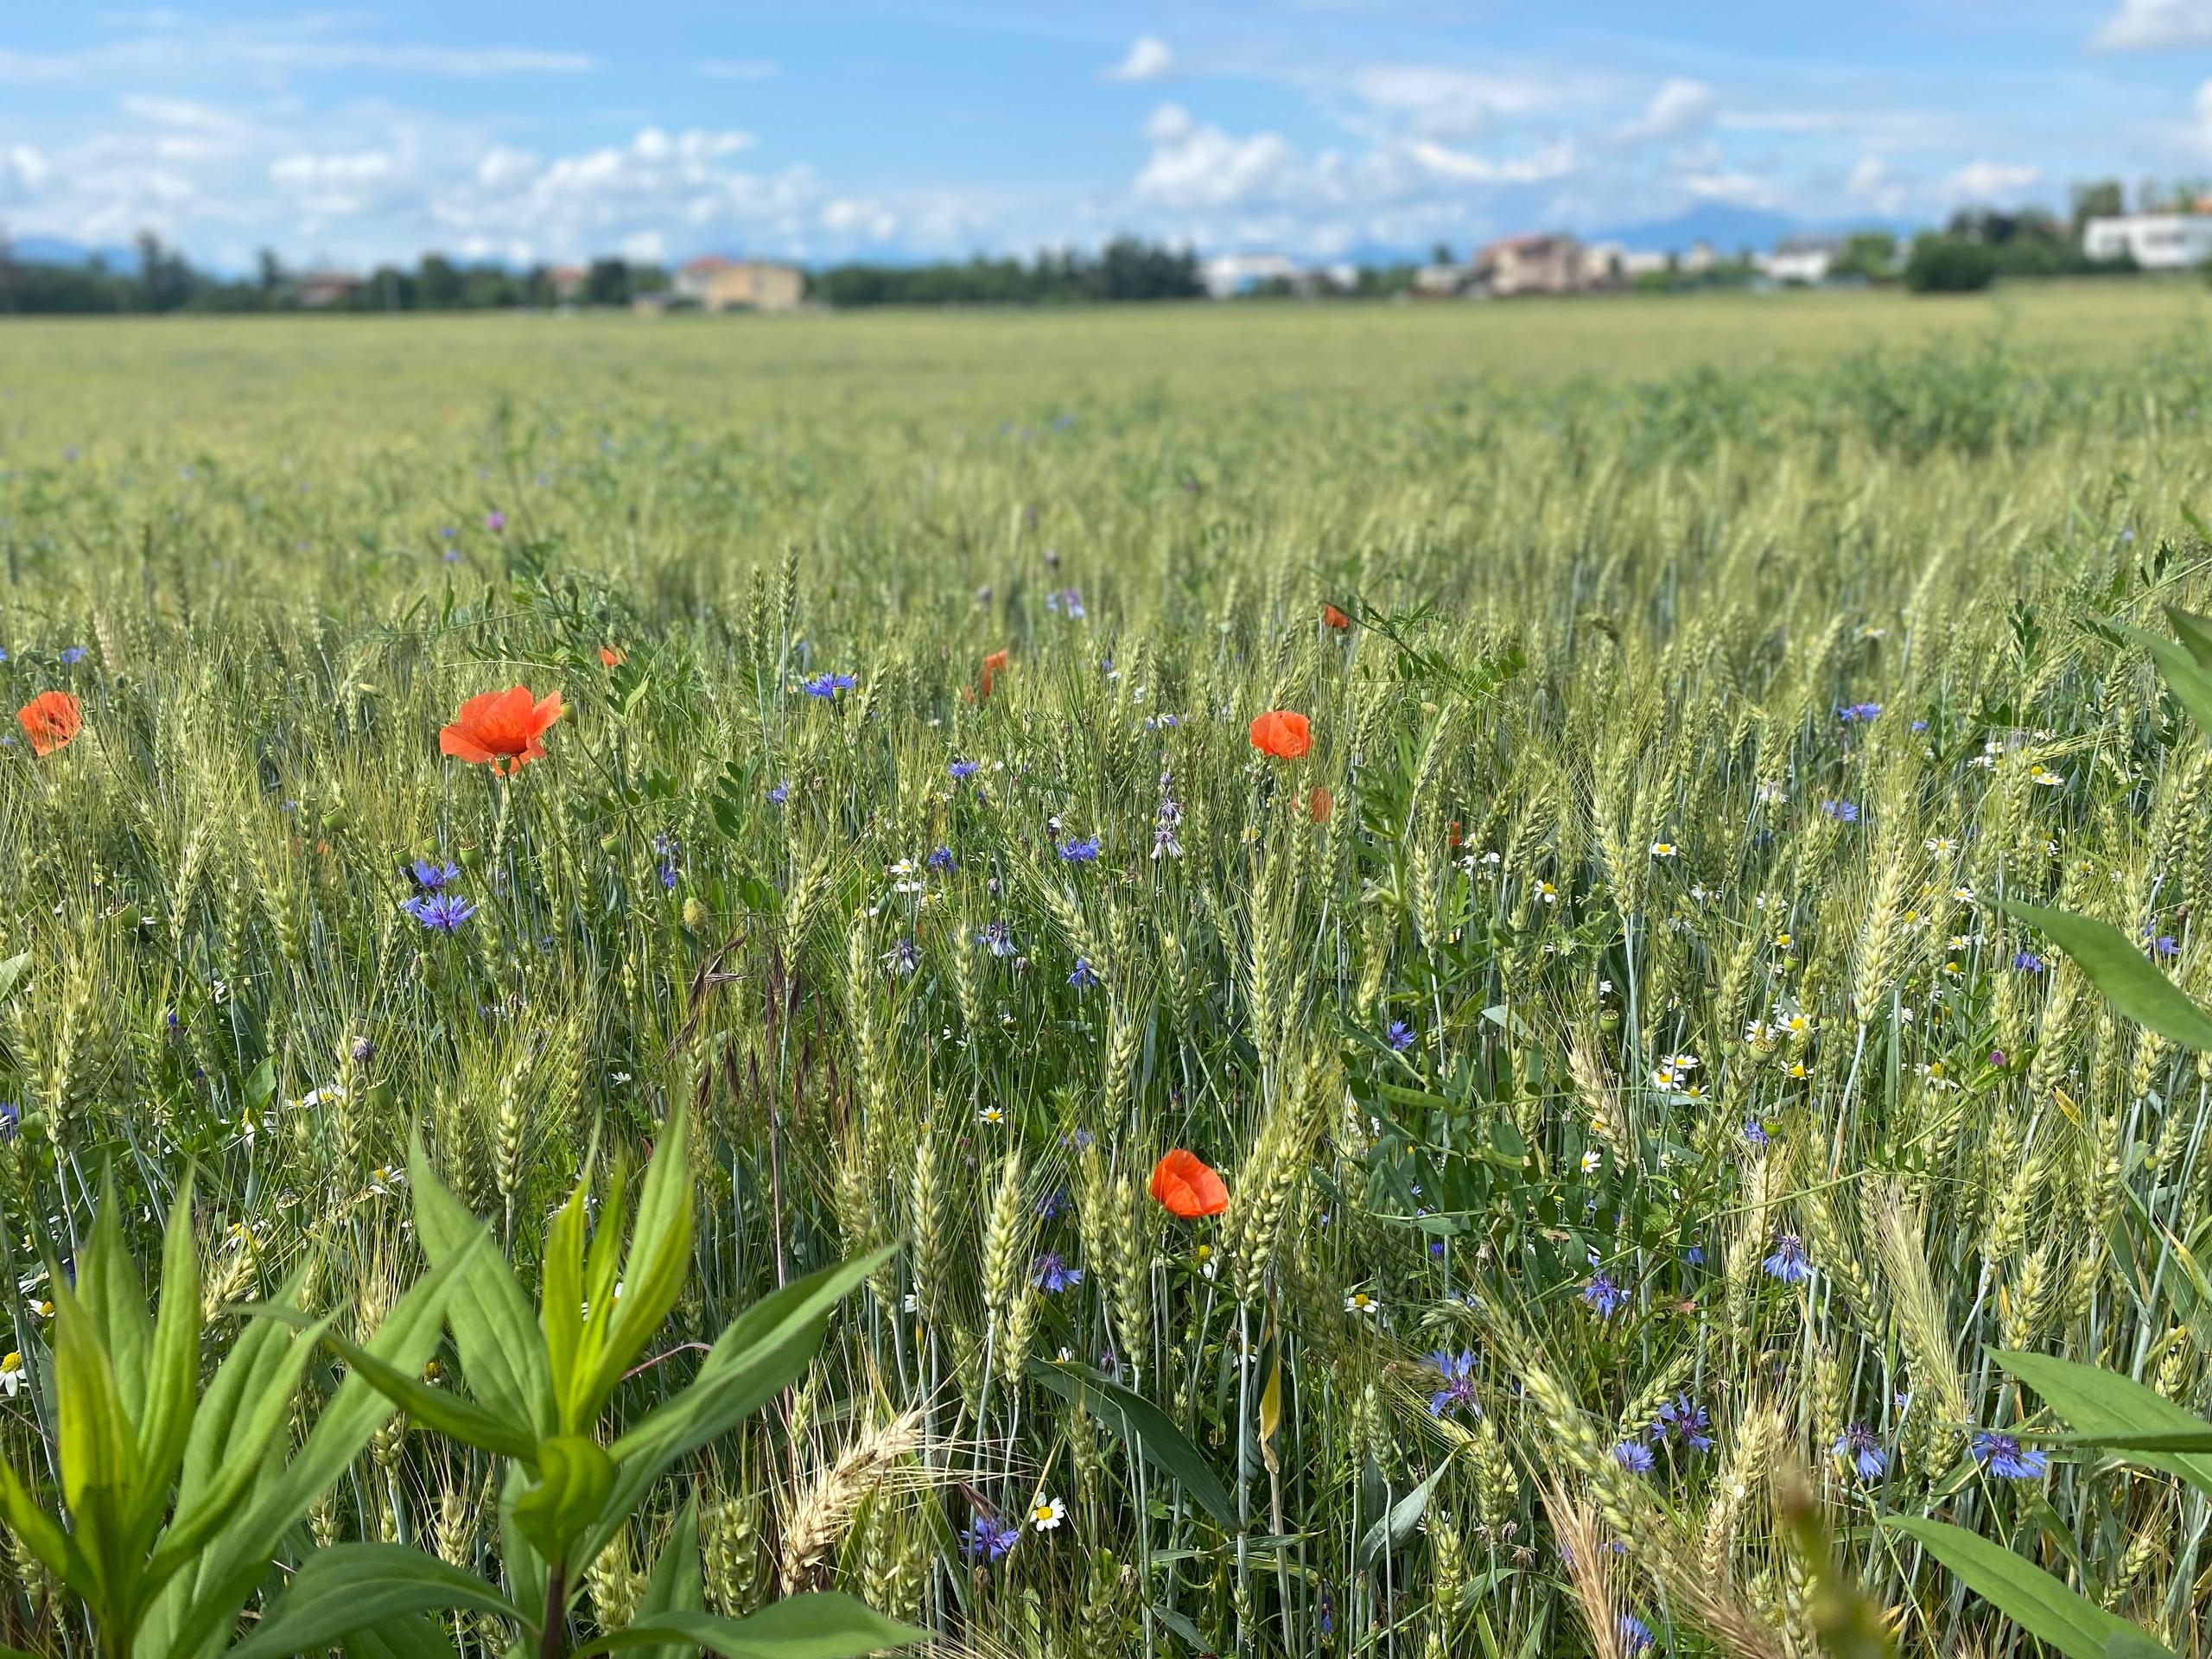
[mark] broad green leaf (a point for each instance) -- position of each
(575, 1476)
(258, 1426)
(824, 1626)
(602, 1272)
(407, 1636)
(2121, 1414)
(12, 972)
(1396, 1524)
(675, 1584)
(2195, 633)
(98, 1449)
(2023, 1591)
(502, 1354)
(2116, 966)
(659, 1257)
(561, 1300)
(764, 1351)
(1146, 1427)
(192, 1619)
(354, 1587)
(42, 1536)
(441, 1408)
(2191, 685)
(112, 1296)
(173, 1362)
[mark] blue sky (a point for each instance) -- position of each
(884, 129)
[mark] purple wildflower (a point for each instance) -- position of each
(2001, 1454)
(443, 913)
(1858, 1447)
(1788, 1262)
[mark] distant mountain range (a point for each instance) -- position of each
(1727, 228)
(54, 250)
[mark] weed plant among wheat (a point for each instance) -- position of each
(1539, 844)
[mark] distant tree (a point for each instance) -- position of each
(1870, 254)
(1950, 264)
(2097, 198)
(608, 282)
(270, 275)
(438, 286)
(1441, 254)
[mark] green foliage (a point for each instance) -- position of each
(1950, 264)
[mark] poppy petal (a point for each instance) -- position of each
(1184, 1183)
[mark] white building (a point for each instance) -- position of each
(1803, 259)
(1228, 274)
(1646, 262)
(2155, 241)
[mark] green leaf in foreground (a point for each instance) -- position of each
(2116, 966)
(825, 1625)
(2027, 1595)
(1147, 1428)
(2119, 1413)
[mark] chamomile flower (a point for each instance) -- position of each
(1046, 1514)
(1359, 1301)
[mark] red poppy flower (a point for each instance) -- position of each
(501, 729)
(1335, 618)
(1283, 733)
(994, 665)
(1187, 1186)
(50, 720)
(610, 658)
(1320, 803)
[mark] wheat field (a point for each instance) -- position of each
(1638, 1121)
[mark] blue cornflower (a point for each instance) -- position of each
(443, 912)
(1457, 1374)
(11, 1119)
(430, 877)
(997, 937)
(1861, 712)
(988, 1539)
(828, 685)
(1755, 1132)
(1080, 852)
(964, 769)
(904, 956)
(73, 656)
(2163, 946)
(1788, 1262)
(3, 653)
(2028, 962)
(1841, 811)
(1859, 1447)
(779, 794)
(1919, 725)
(1051, 1273)
(1686, 1421)
(940, 860)
(1695, 1256)
(1067, 600)
(1324, 1613)
(668, 874)
(1054, 1204)
(1635, 1635)
(1083, 979)
(1400, 1035)
(1603, 1296)
(2001, 1454)
(1633, 1456)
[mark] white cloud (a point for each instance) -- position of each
(169, 49)
(1149, 59)
(1872, 184)
(738, 69)
(2155, 26)
(1678, 109)
(1194, 165)
(1982, 182)
(1553, 162)
(1450, 103)
(1739, 189)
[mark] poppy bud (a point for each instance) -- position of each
(609, 841)
(695, 916)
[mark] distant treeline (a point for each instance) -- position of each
(1125, 269)
(162, 280)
